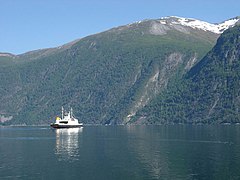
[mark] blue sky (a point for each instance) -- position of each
(27, 25)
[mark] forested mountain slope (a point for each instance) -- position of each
(209, 92)
(107, 78)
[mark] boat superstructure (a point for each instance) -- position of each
(66, 121)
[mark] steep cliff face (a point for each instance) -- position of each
(161, 75)
(107, 78)
(209, 93)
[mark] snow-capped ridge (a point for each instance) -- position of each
(164, 24)
(198, 24)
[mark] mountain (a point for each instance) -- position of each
(107, 77)
(197, 24)
(209, 92)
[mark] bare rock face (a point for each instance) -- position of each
(158, 29)
(157, 82)
(5, 118)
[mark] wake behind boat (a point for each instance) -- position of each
(67, 121)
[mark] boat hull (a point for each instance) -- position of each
(66, 126)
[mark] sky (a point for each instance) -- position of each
(27, 25)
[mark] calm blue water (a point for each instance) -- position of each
(120, 152)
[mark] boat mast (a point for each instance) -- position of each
(62, 112)
(71, 113)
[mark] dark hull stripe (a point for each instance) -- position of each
(65, 126)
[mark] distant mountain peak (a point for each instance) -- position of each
(198, 24)
(6, 55)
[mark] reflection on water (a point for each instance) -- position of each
(121, 152)
(186, 152)
(152, 154)
(67, 144)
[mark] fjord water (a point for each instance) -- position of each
(120, 152)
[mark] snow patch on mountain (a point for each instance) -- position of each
(197, 24)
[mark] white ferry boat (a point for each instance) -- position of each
(67, 121)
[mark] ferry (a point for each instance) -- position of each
(66, 121)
